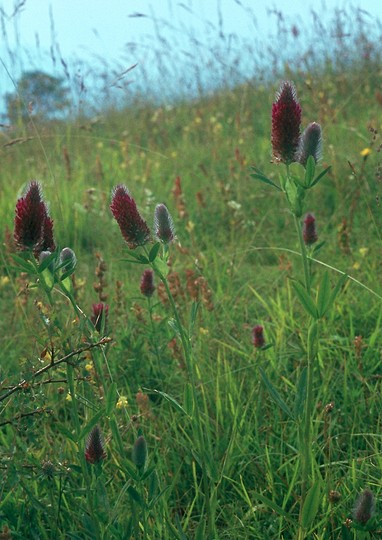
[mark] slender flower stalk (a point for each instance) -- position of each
(33, 225)
(286, 120)
(133, 227)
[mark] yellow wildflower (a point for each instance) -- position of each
(365, 152)
(122, 402)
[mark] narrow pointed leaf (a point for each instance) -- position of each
(170, 399)
(306, 301)
(311, 505)
(341, 282)
(275, 395)
(309, 171)
(154, 252)
(260, 176)
(323, 296)
(321, 175)
(300, 394)
(111, 398)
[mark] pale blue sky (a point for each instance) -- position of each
(97, 31)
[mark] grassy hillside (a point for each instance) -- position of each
(226, 424)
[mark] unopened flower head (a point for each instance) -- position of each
(95, 446)
(163, 224)
(68, 259)
(133, 227)
(147, 283)
(286, 120)
(139, 454)
(364, 507)
(258, 336)
(99, 316)
(309, 231)
(310, 144)
(33, 226)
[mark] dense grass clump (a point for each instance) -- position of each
(216, 374)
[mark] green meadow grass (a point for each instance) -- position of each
(237, 473)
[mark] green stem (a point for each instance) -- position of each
(304, 255)
(197, 423)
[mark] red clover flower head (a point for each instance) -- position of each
(95, 446)
(364, 507)
(309, 231)
(286, 120)
(33, 226)
(147, 283)
(258, 336)
(163, 224)
(99, 316)
(133, 227)
(310, 144)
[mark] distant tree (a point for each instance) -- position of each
(39, 94)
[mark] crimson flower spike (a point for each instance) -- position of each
(133, 227)
(309, 231)
(147, 283)
(33, 225)
(310, 144)
(286, 120)
(99, 316)
(258, 336)
(95, 446)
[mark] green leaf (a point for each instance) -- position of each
(170, 399)
(323, 296)
(188, 400)
(135, 495)
(111, 398)
(162, 267)
(337, 289)
(260, 176)
(139, 257)
(200, 533)
(309, 171)
(154, 252)
(311, 505)
(306, 301)
(25, 264)
(317, 247)
(320, 176)
(194, 312)
(300, 394)
(275, 395)
(48, 261)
